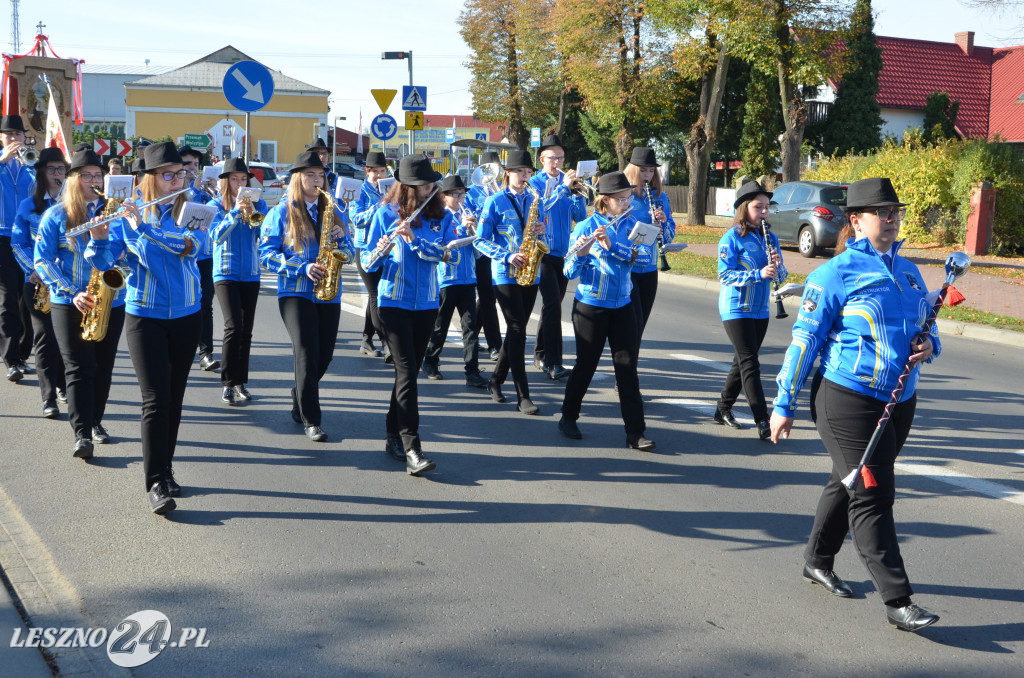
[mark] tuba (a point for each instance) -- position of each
(533, 249)
(330, 257)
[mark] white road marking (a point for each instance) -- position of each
(700, 406)
(700, 360)
(945, 475)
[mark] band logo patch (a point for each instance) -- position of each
(812, 295)
(913, 282)
(435, 226)
(723, 252)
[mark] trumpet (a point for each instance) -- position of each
(27, 156)
(249, 213)
(79, 230)
(584, 190)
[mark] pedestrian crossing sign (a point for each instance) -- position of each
(413, 120)
(414, 98)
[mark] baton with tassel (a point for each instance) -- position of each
(956, 266)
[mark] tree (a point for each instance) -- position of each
(762, 124)
(940, 117)
(855, 121)
(514, 77)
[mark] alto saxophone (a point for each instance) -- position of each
(330, 257)
(41, 299)
(531, 248)
(103, 286)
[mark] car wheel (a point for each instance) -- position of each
(806, 243)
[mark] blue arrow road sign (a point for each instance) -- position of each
(384, 127)
(414, 98)
(248, 85)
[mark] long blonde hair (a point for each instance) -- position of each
(298, 231)
(75, 204)
(632, 173)
(227, 201)
(149, 192)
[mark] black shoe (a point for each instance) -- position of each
(50, 409)
(316, 434)
(910, 618)
(83, 449)
(173, 488)
(62, 396)
(526, 406)
(208, 364)
(494, 353)
(569, 429)
(242, 393)
(228, 395)
(14, 374)
(726, 418)
(100, 435)
(25, 369)
(388, 358)
(368, 349)
(764, 431)
(296, 417)
(416, 463)
(160, 501)
(640, 443)
(827, 578)
(430, 371)
(476, 380)
(540, 364)
(558, 372)
(393, 446)
(495, 391)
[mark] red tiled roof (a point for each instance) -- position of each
(1006, 117)
(913, 69)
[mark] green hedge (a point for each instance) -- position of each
(935, 180)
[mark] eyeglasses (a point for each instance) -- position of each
(554, 158)
(170, 176)
(885, 213)
(90, 177)
(57, 171)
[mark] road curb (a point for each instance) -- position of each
(985, 333)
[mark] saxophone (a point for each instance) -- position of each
(41, 299)
(330, 257)
(531, 248)
(103, 286)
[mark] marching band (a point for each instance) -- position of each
(425, 246)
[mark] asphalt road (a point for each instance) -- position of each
(524, 553)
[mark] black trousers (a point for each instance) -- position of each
(313, 329)
(162, 353)
(516, 304)
(645, 289)
(746, 335)
(206, 307)
(846, 420)
(408, 333)
(49, 365)
(238, 306)
(12, 326)
(371, 321)
(486, 311)
(88, 365)
(552, 290)
(462, 297)
(593, 327)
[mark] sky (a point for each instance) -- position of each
(337, 46)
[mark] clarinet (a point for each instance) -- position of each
(769, 249)
(661, 241)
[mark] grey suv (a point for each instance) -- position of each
(808, 214)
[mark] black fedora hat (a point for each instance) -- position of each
(318, 144)
(549, 141)
(12, 123)
(85, 158)
(163, 154)
(452, 182)
(234, 165)
(613, 182)
(375, 159)
(138, 166)
(307, 160)
(749, 191)
(188, 150)
(488, 157)
(415, 170)
(50, 154)
(643, 156)
(81, 146)
(867, 193)
(519, 159)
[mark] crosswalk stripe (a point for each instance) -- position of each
(700, 406)
(700, 360)
(951, 477)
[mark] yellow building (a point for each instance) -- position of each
(190, 100)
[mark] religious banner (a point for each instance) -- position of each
(25, 92)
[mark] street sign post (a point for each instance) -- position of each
(384, 97)
(123, 147)
(449, 135)
(197, 141)
(414, 98)
(248, 86)
(384, 127)
(101, 146)
(535, 137)
(413, 120)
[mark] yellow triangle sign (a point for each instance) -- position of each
(383, 97)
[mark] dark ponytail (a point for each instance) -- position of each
(844, 235)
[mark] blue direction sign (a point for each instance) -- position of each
(414, 98)
(384, 127)
(248, 85)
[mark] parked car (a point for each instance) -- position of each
(273, 187)
(808, 214)
(348, 169)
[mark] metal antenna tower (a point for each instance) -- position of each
(15, 37)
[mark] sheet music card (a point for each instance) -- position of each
(644, 234)
(195, 216)
(348, 189)
(250, 193)
(384, 185)
(211, 175)
(586, 168)
(119, 187)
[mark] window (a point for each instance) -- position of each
(833, 196)
(267, 152)
(782, 194)
(800, 194)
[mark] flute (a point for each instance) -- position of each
(79, 230)
(388, 241)
(589, 240)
